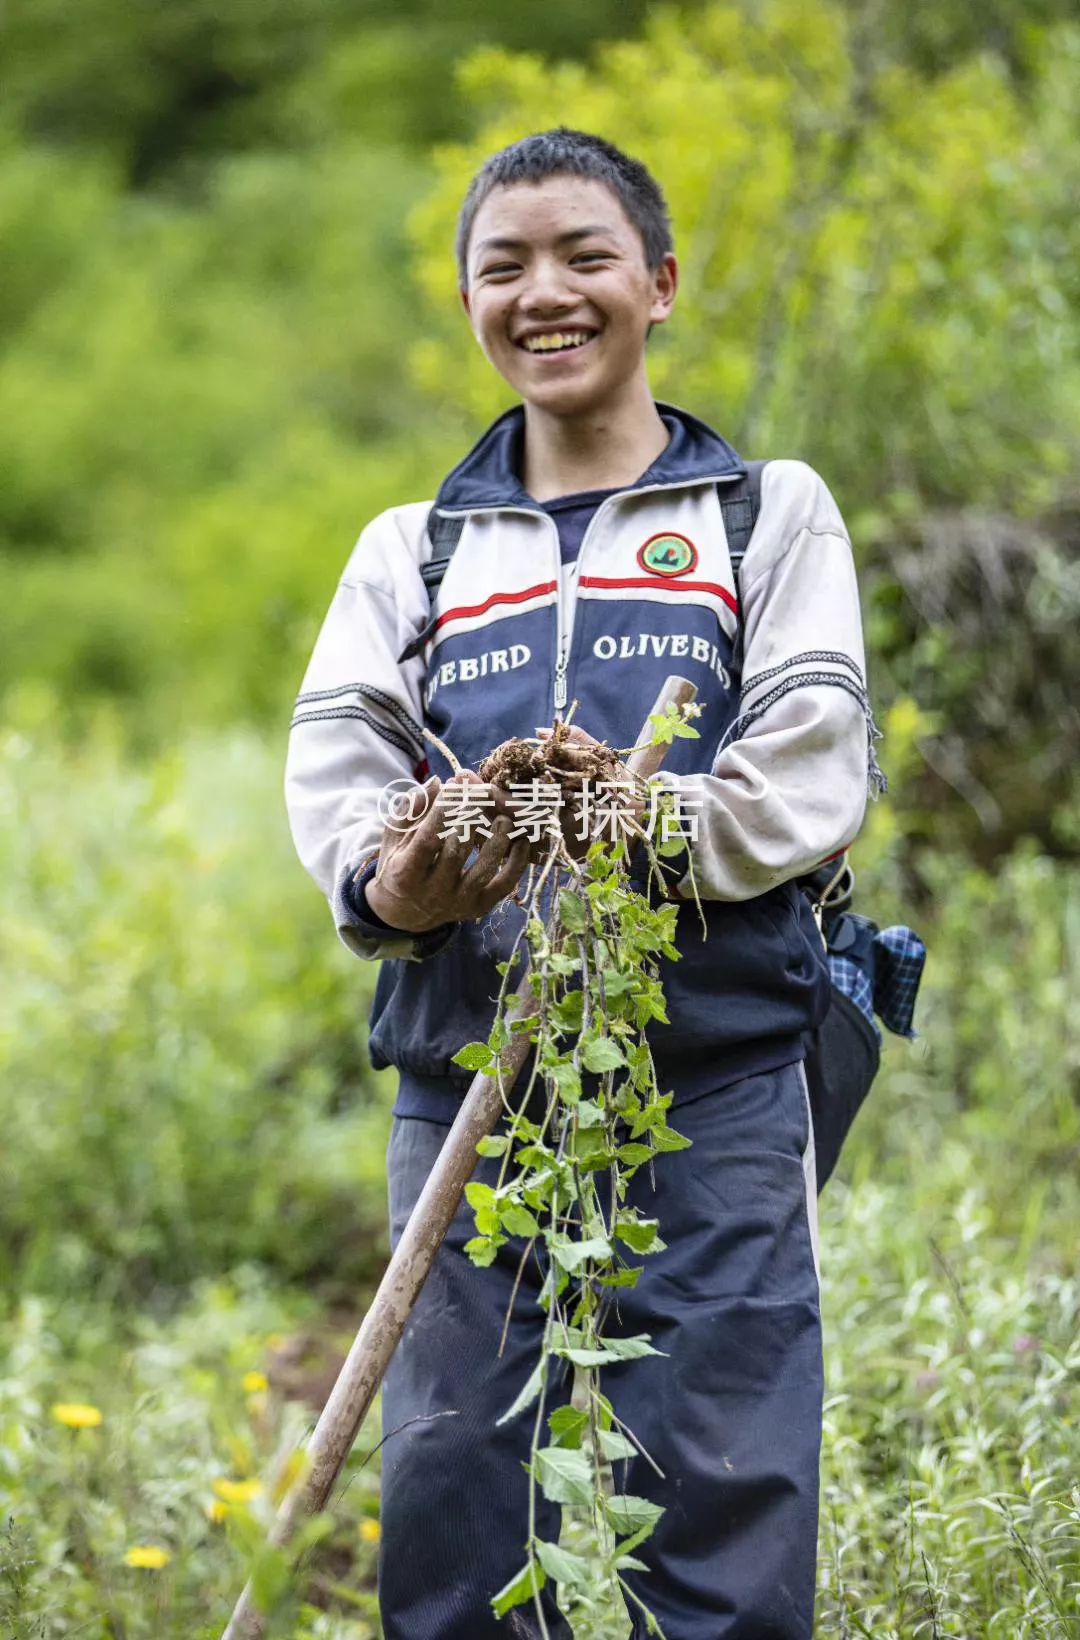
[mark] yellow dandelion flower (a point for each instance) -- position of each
(254, 1383)
(148, 1557)
(370, 1531)
(77, 1415)
(237, 1491)
(216, 1511)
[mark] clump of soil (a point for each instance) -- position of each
(558, 760)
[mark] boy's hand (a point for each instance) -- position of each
(422, 882)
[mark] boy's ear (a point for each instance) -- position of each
(463, 293)
(665, 288)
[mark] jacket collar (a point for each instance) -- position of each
(489, 476)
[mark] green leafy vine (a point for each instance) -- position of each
(567, 1159)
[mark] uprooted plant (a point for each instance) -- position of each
(567, 1154)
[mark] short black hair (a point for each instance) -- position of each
(563, 152)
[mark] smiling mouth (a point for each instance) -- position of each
(557, 341)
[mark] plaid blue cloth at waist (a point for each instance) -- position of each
(879, 970)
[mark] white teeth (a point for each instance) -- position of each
(555, 340)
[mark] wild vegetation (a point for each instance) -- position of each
(230, 337)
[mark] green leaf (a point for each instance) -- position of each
(589, 1114)
(474, 1056)
(632, 1155)
(531, 1389)
(564, 1474)
(602, 1054)
(567, 1079)
(495, 1144)
(665, 1138)
(571, 1255)
(534, 1155)
(530, 1579)
(567, 1426)
(518, 1221)
(650, 1117)
(563, 1567)
(615, 1446)
(617, 984)
(479, 1195)
(590, 1147)
(629, 1563)
(572, 913)
(482, 1250)
(630, 1349)
(567, 1013)
(622, 1278)
(582, 1357)
(629, 1514)
(499, 1036)
(641, 1235)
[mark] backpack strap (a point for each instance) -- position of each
(740, 504)
(444, 534)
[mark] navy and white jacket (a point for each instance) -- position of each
(778, 779)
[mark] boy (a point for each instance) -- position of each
(592, 562)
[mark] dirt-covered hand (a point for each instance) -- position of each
(425, 879)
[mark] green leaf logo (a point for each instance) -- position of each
(668, 554)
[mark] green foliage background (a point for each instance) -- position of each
(230, 335)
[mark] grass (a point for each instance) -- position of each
(192, 1192)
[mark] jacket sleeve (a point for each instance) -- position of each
(789, 784)
(356, 734)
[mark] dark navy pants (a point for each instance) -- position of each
(732, 1416)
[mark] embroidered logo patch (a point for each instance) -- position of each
(668, 554)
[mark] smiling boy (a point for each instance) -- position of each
(579, 551)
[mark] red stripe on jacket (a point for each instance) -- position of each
(663, 583)
(466, 611)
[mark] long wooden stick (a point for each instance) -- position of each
(384, 1323)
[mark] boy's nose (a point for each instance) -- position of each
(547, 292)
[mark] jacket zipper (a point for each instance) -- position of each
(564, 619)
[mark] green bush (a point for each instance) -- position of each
(183, 1078)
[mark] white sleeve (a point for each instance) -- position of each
(788, 787)
(357, 727)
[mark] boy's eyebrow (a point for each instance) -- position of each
(562, 239)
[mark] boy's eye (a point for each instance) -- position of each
(500, 270)
(591, 256)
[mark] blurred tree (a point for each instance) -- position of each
(157, 86)
(867, 272)
(879, 275)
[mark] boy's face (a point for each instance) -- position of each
(560, 296)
